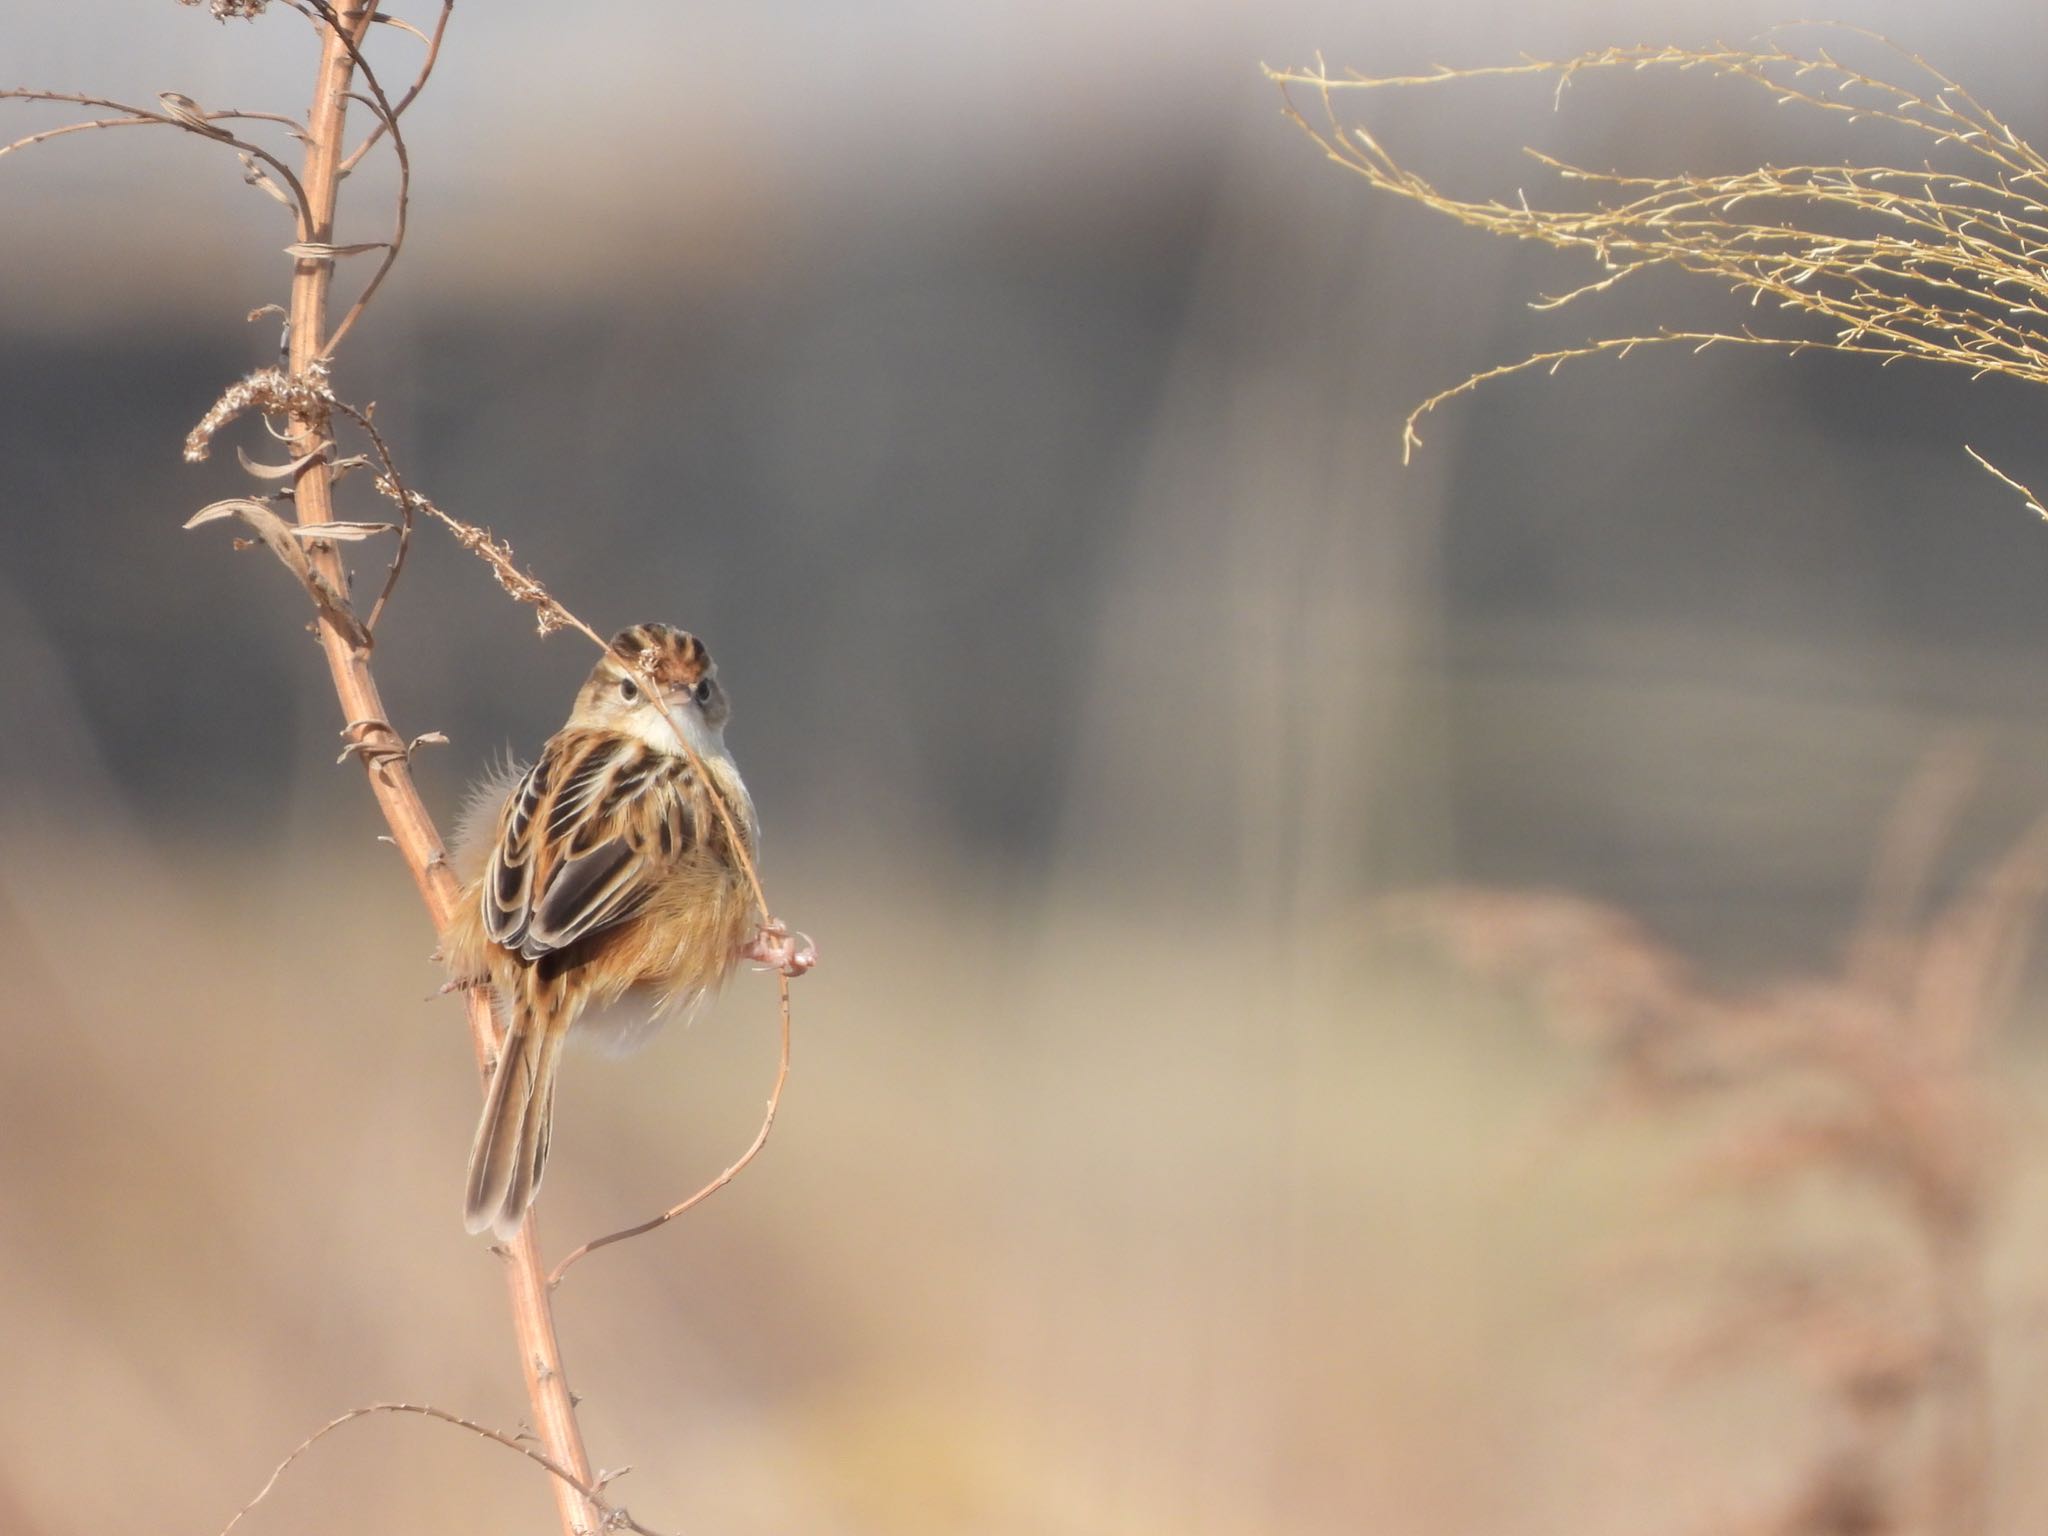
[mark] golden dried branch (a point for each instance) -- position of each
(2027, 498)
(1942, 263)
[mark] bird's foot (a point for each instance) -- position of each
(778, 949)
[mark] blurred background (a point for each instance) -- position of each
(1012, 398)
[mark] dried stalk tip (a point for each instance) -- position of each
(548, 615)
(268, 390)
(248, 10)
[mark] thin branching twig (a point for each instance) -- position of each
(614, 1517)
(426, 70)
(176, 112)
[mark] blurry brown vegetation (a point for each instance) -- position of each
(1872, 1083)
(1129, 1193)
(1872, 1078)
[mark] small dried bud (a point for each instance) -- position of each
(248, 10)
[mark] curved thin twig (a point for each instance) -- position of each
(725, 1178)
(198, 124)
(412, 92)
(1621, 346)
(615, 1517)
(404, 500)
(33, 139)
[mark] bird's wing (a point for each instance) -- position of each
(581, 837)
(508, 878)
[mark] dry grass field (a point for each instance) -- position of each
(1491, 997)
(1079, 1218)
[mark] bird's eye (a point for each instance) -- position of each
(703, 694)
(628, 689)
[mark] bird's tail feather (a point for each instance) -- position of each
(511, 1147)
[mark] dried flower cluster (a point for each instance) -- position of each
(271, 391)
(548, 615)
(222, 10)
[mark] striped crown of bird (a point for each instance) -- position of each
(604, 872)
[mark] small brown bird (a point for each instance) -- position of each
(609, 872)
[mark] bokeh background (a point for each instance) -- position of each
(1012, 398)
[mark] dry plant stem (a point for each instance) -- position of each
(2027, 497)
(330, 25)
(390, 777)
(302, 392)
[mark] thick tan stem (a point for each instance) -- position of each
(412, 829)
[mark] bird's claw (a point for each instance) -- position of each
(780, 950)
